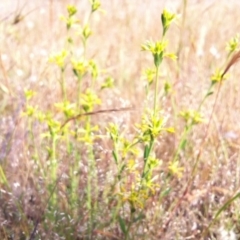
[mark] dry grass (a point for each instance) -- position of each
(194, 199)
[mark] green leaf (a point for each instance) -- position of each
(146, 151)
(165, 192)
(158, 59)
(139, 217)
(75, 72)
(115, 156)
(122, 168)
(183, 144)
(225, 205)
(122, 225)
(70, 148)
(209, 93)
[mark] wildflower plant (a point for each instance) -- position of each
(194, 117)
(158, 50)
(153, 123)
(83, 131)
(138, 189)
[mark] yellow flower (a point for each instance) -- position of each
(174, 169)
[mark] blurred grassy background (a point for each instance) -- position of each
(31, 30)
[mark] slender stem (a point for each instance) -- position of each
(156, 92)
(63, 87)
(206, 132)
(205, 97)
(79, 80)
(3, 178)
(188, 128)
(92, 190)
(192, 174)
(53, 170)
(185, 2)
(147, 157)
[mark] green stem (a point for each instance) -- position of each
(36, 154)
(63, 86)
(187, 130)
(91, 180)
(79, 80)
(205, 97)
(151, 143)
(156, 91)
(188, 127)
(53, 170)
(3, 178)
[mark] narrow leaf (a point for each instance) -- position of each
(122, 225)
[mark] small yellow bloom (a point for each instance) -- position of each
(218, 76)
(174, 169)
(59, 58)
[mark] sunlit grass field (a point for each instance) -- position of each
(119, 119)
